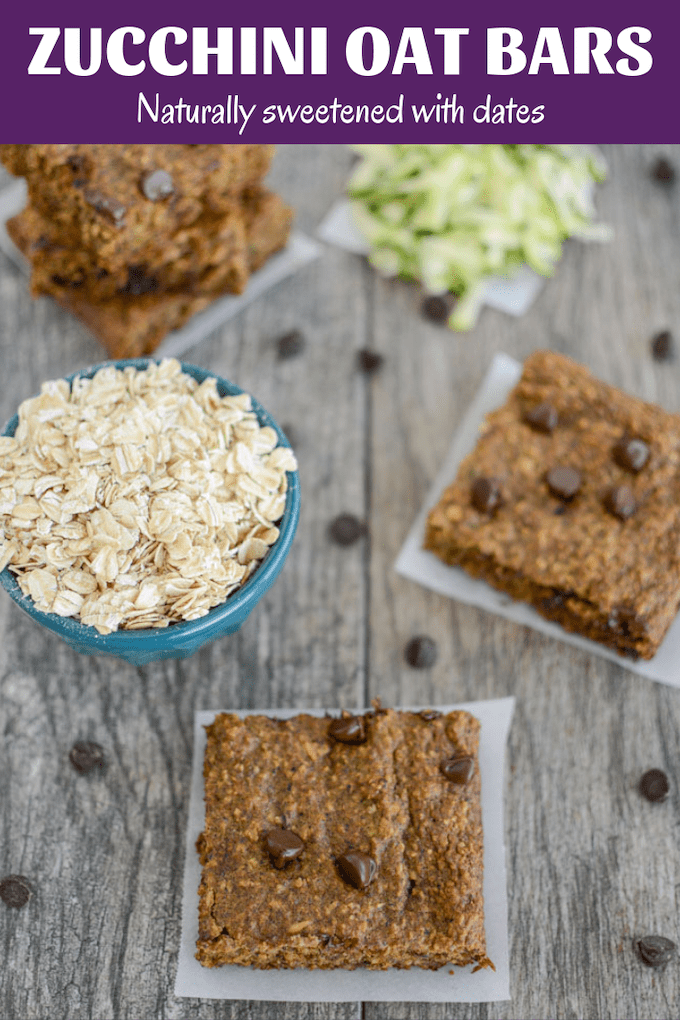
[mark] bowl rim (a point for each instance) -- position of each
(239, 603)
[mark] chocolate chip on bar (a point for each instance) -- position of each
(429, 714)
(357, 868)
(458, 769)
(348, 729)
(621, 502)
(543, 417)
(485, 495)
(563, 482)
(631, 453)
(283, 846)
(157, 185)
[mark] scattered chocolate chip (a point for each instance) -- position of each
(283, 846)
(86, 755)
(348, 729)
(563, 482)
(346, 529)
(109, 207)
(15, 891)
(428, 714)
(421, 652)
(631, 453)
(458, 769)
(369, 362)
(485, 495)
(655, 950)
(661, 346)
(290, 345)
(357, 868)
(138, 282)
(543, 418)
(436, 308)
(663, 171)
(620, 501)
(157, 185)
(654, 785)
(560, 509)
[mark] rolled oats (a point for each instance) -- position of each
(137, 499)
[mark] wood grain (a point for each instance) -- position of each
(591, 864)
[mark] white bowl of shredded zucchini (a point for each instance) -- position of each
(454, 216)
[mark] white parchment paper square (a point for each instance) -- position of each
(512, 294)
(298, 252)
(418, 565)
(413, 985)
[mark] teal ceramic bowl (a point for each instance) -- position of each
(179, 640)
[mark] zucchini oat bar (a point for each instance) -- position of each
(570, 501)
(346, 842)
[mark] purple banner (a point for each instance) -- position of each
(493, 72)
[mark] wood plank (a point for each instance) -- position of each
(591, 865)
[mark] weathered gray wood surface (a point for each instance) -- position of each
(591, 864)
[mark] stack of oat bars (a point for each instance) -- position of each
(134, 239)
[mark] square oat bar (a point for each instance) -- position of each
(570, 501)
(346, 842)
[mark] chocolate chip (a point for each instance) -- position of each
(436, 308)
(369, 362)
(157, 185)
(346, 529)
(631, 453)
(428, 714)
(458, 769)
(348, 729)
(485, 495)
(421, 652)
(283, 846)
(661, 346)
(543, 417)
(138, 282)
(620, 501)
(109, 207)
(655, 950)
(357, 868)
(663, 171)
(654, 785)
(563, 482)
(290, 345)
(86, 755)
(77, 163)
(15, 891)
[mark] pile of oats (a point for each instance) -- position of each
(138, 498)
